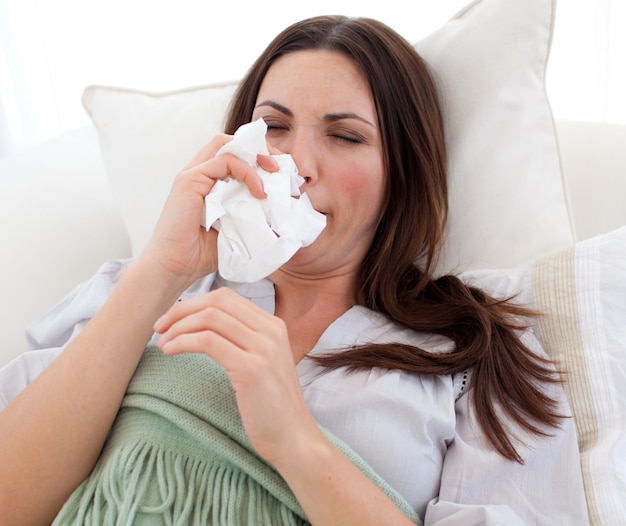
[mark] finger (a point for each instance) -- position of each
(178, 311)
(205, 341)
(223, 299)
(226, 165)
(211, 344)
(215, 321)
(267, 162)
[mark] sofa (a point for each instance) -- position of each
(537, 208)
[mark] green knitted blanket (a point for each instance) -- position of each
(177, 454)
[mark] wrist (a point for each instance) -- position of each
(311, 453)
(181, 266)
(150, 286)
(166, 280)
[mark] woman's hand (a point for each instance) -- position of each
(181, 246)
(253, 347)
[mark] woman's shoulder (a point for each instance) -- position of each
(380, 328)
(361, 326)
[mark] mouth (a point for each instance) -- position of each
(320, 210)
(323, 212)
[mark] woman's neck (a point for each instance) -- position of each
(309, 306)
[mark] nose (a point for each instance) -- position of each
(302, 146)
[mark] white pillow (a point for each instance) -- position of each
(583, 290)
(581, 295)
(147, 138)
(507, 199)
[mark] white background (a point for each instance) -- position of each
(51, 49)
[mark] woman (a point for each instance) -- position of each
(433, 383)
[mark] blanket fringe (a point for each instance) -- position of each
(177, 454)
(145, 484)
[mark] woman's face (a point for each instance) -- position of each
(318, 108)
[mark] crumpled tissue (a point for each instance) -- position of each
(257, 236)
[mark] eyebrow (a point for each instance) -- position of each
(330, 117)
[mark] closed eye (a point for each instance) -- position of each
(276, 127)
(345, 133)
(348, 138)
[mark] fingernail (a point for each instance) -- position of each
(159, 325)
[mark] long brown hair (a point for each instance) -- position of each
(505, 374)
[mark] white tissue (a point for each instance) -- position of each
(256, 236)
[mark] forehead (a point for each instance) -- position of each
(317, 76)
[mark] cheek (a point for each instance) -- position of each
(364, 184)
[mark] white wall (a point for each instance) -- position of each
(587, 73)
(50, 50)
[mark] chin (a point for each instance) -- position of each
(302, 255)
(303, 261)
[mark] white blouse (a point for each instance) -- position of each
(418, 432)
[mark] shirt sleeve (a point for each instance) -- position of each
(479, 486)
(51, 332)
(21, 371)
(57, 326)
